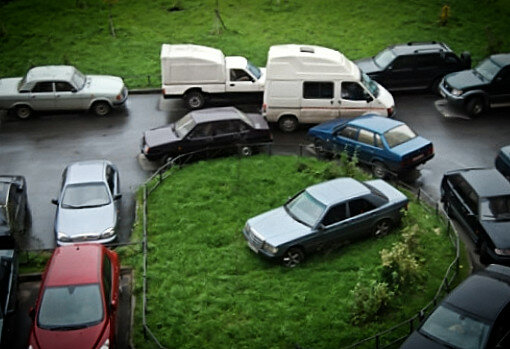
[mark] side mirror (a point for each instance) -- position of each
(31, 313)
(19, 188)
(54, 201)
(117, 196)
(369, 99)
(73, 90)
(321, 227)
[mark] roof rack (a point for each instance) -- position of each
(411, 43)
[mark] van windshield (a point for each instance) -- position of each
(370, 85)
(254, 70)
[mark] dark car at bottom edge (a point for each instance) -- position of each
(475, 315)
(208, 129)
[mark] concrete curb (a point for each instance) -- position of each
(144, 91)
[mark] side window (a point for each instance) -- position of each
(335, 214)
(317, 90)
(201, 131)
(501, 332)
(62, 86)
(43, 87)
(451, 59)
(378, 142)
(107, 278)
(239, 75)
(403, 63)
(109, 178)
(359, 206)
(11, 203)
(223, 128)
(353, 91)
(348, 132)
(366, 137)
(466, 193)
(427, 61)
(504, 77)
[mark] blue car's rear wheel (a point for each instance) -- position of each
(382, 228)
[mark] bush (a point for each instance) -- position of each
(370, 297)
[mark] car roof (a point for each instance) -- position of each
(337, 190)
(375, 123)
(86, 171)
(74, 265)
(486, 182)
(50, 72)
(215, 114)
(419, 47)
(485, 293)
(501, 59)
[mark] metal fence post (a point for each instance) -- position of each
(149, 80)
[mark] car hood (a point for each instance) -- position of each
(327, 127)
(84, 338)
(465, 79)
(99, 84)
(276, 227)
(418, 341)
(499, 232)
(160, 136)
(85, 220)
(9, 85)
(410, 146)
(368, 65)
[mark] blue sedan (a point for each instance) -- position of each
(331, 213)
(387, 145)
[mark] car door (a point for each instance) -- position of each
(42, 96)
(108, 290)
(199, 138)
(112, 178)
(14, 208)
(400, 72)
(361, 217)
(317, 104)
(354, 99)
(241, 81)
(500, 89)
(366, 148)
(67, 98)
(427, 68)
(345, 139)
(334, 229)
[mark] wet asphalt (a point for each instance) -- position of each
(40, 148)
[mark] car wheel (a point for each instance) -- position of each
(245, 151)
(194, 100)
(434, 88)
(475, 106)
(23, 112)
(320, 148)
(288, 123)
(293, 257)
(379, 170)
(101, 108)
(382, 228)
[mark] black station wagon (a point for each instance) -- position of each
(480, 200)
(212, 128)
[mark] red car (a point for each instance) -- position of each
(78, 298)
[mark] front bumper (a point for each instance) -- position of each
(124, 93)
(257, 247)
(83, 239)
(454, 100)
(496, 258)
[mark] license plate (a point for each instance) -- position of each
(418, 157)
(253, 248)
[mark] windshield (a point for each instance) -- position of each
(305, 208)
(254, 70)
(85, 195)
(184, 125)
(495, 208)
(384, 58)
(70, 307)
(370, 85)
(487, 69)
(78, 79)
(399, 135)
(455, 329)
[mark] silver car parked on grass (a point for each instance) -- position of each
(88, 204)
(61, 87)
(328, 214)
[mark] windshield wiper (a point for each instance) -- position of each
(477, 73)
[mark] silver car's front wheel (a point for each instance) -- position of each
(293, 257)
(101, 108)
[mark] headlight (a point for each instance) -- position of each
(269, 248)
(502, 251)
(247, 228)
(63, 237)
(105, 345)
(146, 149)
(108, 233)
(456, 92)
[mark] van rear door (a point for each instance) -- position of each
(317, 103)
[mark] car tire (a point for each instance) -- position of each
(320, 149)
(245, 151)
(434, 88)
(382, 228)
(23, 112)
(379, 170)
(293, 257)
(288, 123)
(101, 108)
(194, 100)
(475, 106)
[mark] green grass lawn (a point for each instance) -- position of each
(206, 288)
(34, 32)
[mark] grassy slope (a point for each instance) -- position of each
(36, 32)
(206, 288)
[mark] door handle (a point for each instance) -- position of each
(232, 84)
(331, 102)
(339, 102)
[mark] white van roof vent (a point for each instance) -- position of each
(306, 49)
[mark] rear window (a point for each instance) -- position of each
(399, 135)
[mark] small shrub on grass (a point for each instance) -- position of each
(399, 266)
(370, 297)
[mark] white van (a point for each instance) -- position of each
(197, 73)
(312, 84)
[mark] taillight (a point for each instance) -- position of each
(118, 97)
(264, 107)
(163, 91)
(390, 111)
